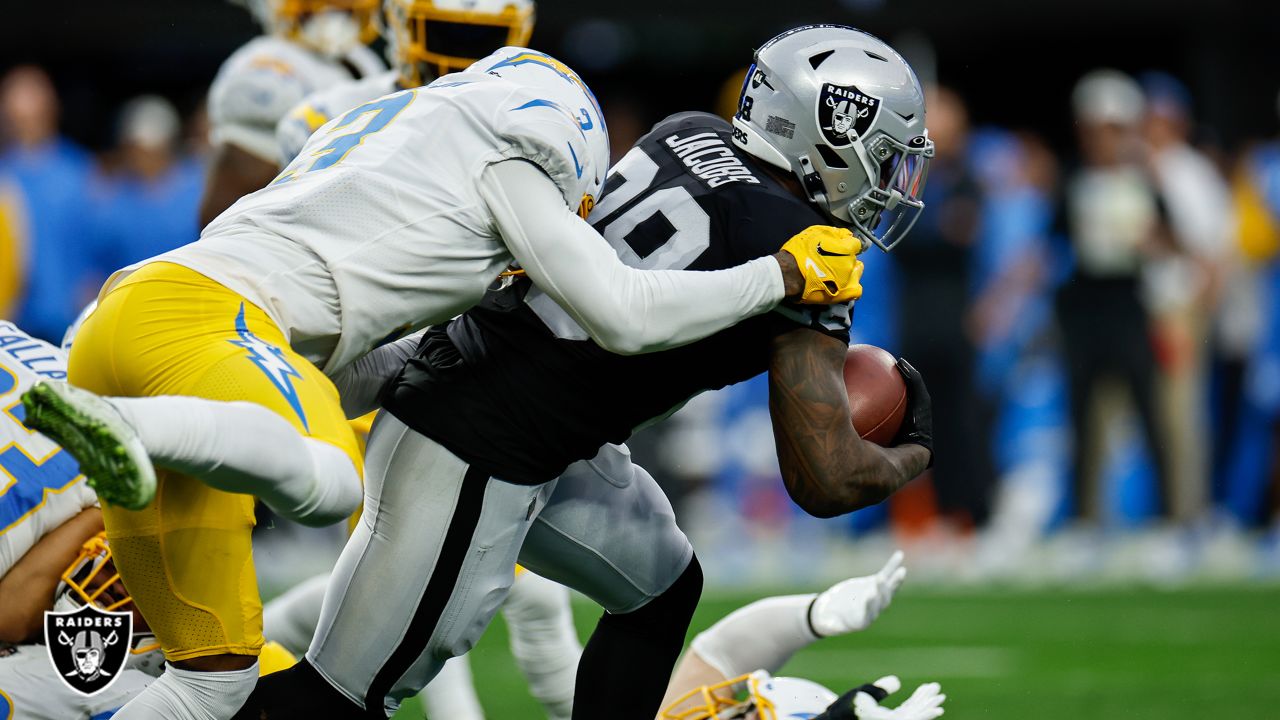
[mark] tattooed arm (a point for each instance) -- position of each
(828, 470)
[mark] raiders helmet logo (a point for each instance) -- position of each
(845, 113)
(88, 647)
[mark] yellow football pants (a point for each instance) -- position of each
(187, 559)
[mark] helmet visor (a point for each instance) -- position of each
(898, 197)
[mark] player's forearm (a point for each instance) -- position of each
(26, 591)
(829, 476)
(827, 469)
(623, 309)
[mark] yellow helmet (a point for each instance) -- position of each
(766, 698)
(429, 38)
(92, 579)
(327, 26)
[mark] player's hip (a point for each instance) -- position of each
(158, 326)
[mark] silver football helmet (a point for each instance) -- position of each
(845, 113)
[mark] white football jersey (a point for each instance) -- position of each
(320, 107)
(31, 690)
(40, 485)
(377, 229)
(265, 79)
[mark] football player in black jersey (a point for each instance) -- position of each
(466, 471)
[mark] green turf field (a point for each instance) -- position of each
(1131, 654)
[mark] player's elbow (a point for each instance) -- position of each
(620, 336)
(828, 496)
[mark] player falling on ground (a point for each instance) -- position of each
(493, 406)
(308, 45)
(397, 215)
(744, 649)
(426, 39)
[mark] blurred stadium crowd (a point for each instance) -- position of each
(1098, 321)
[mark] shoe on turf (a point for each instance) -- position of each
(109, 451)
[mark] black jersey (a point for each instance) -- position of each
(516, 388)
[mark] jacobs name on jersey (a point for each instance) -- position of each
(517, 389)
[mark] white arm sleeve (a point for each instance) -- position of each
(759, 636)
(360, 383)
(624, 309)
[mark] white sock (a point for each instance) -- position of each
(291, 618)
(242, 447)
(762, 635)
(190, 695)
(544, 641)
(451, 695)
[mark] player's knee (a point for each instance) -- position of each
(672, 610)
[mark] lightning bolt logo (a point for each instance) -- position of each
(270, 360)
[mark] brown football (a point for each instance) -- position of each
(877, 393)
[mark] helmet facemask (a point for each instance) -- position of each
(92, 579)
(758, 696)
(430, 39)
(330, 27)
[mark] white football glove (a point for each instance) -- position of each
(851, 605)
(863, 703)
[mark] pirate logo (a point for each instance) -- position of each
(88, 647)
(845, 113)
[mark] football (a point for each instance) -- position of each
(877, 393)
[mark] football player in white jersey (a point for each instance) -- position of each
(396, 215)
(46, 509)
(425, 39)
(308, 45)
(744, 649)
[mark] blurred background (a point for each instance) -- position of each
(1092, 295)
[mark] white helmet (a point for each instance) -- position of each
(430, 38)
(330, 27)
(845, 113)
(768, 697)
(554, 87)
(82, 585)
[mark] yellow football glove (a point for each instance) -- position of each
(828, 260)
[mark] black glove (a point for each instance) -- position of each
(917, 423)
(842, 709)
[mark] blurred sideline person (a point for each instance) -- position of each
(220, 354)
(425, 39)
(308, 45)
(1113, 217)
(934, 296)
(1183, 286)
(478, 459)
(744, 649)
(51, 175)
(149, 179)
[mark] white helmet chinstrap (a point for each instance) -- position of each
(845, 113)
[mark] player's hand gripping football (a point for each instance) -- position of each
(852, 605)
(917, 422)
(827, 260)
(863, 703)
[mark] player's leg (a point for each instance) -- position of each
(263, 447)
(452, 693)
(187, 558)
(544, 641)
(426, 569)
(291, 618)
(639, 566)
